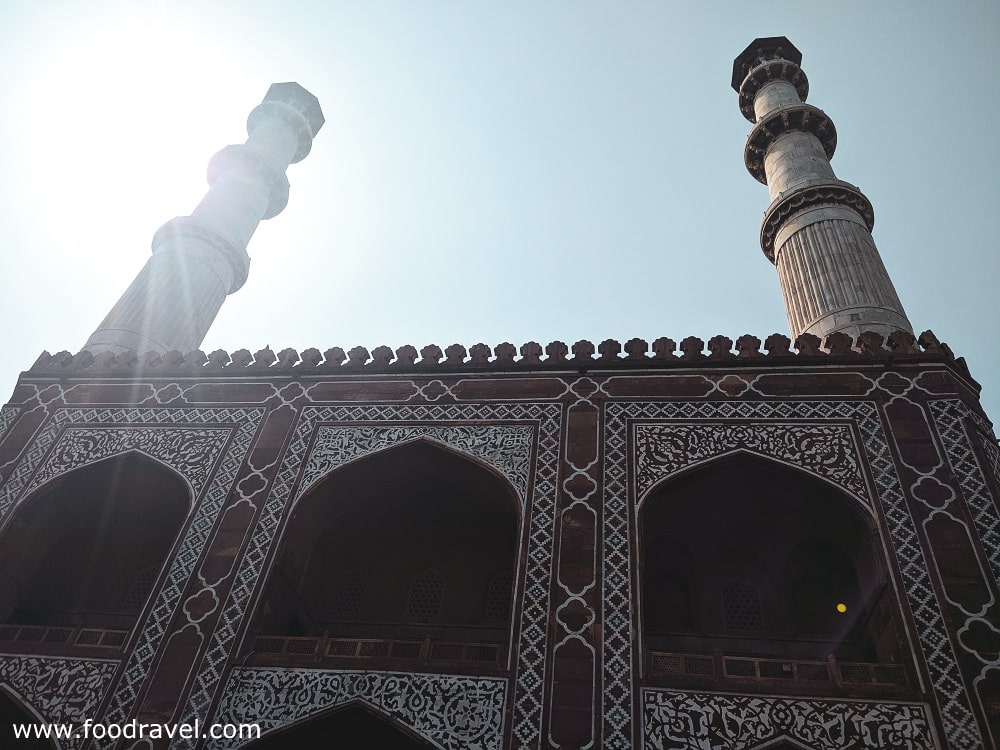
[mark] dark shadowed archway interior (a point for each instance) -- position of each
(11, 712)
(354, 727)
(413, 543)
(86, 549)
(750, 557)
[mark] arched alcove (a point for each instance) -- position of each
(775, 566)
(401, 554)
(352, 727)
(782, 743)
(667, 586)
(14, 711)
(85, 549)
(822, 580)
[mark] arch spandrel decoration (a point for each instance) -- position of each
(505, 448)
(190, 452)
(543, 423)
(688, 721)
(60, 690)
(825, 451)
(234, 429)
(453, 712)
(620, 673)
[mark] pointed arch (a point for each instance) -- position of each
(425, 527)
(78, 541)
(859, 504)
(482, 449)
(784, 742)
(781, 563)
(16, 709)
(132, 455)
(668, 580)
(356, 723)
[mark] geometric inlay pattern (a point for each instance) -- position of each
(824, 450)
(992, 451)
(697, 721)
(621, 510)
(948, 417)
(454, 712)
(60, 690)
(231, 428)
(529, 635)
(8, 415)
(507, 448)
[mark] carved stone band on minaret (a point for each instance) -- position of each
(817, 230)
(199, 259)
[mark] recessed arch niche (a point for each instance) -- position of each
(85, 548)
(750, 557)
(14, 710)
(405, 544)
(353, 725)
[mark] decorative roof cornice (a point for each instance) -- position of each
(583, 355)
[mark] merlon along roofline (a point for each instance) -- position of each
(808, 349)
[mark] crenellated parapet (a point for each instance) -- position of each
(817, 230)
(663, 352)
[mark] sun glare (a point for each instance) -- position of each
(119, 131)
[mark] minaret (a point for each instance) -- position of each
(817, 230)
(199, 259)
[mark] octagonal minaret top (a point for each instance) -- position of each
(817, 230)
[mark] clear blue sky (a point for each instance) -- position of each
(489, 171)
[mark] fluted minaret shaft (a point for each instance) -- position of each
(817, 230)
(200, 259)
